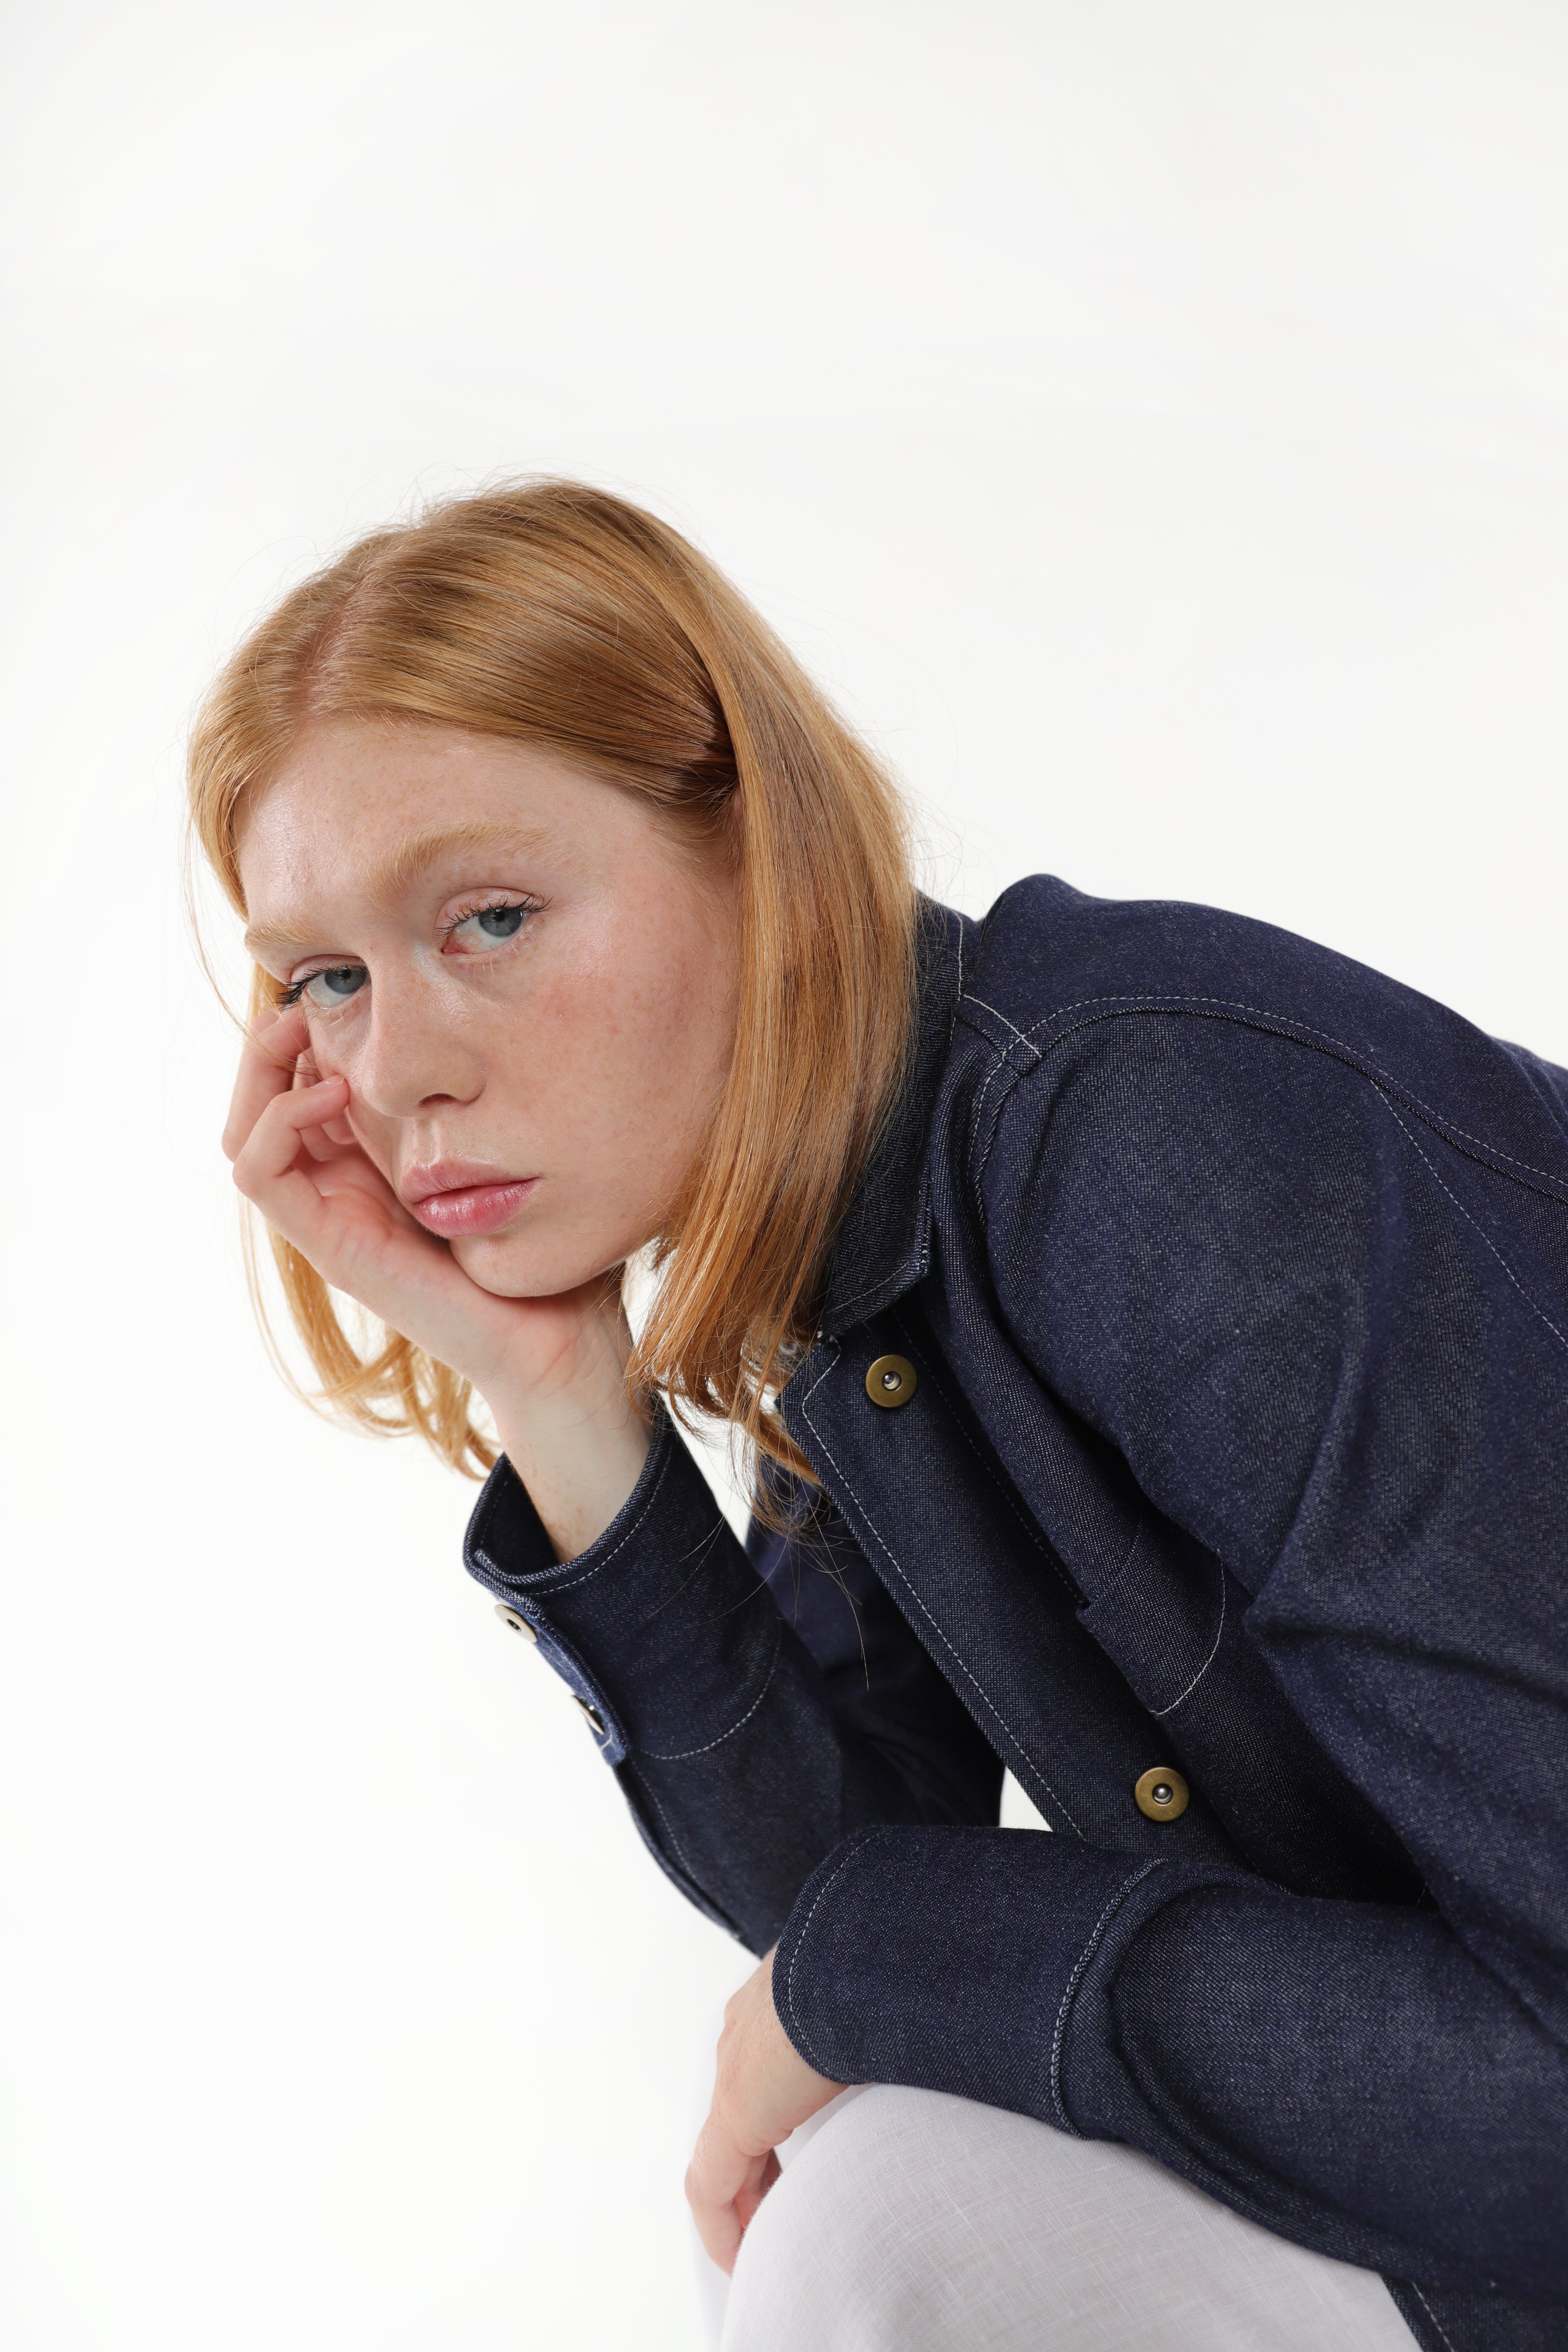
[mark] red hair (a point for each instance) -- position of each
(562, 616)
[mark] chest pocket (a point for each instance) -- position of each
(1173, 1619)
(1163, 1615)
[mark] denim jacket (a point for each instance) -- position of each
(1227, 1447)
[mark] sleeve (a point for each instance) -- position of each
(1328, 1339)
(755, 1710)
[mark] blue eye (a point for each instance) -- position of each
(487, 928)
(327, 990)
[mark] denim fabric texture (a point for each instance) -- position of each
(1236, 1280)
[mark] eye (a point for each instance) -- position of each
(479, 931)
(325, 991)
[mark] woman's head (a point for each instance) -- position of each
(587, 888)
(526, 976)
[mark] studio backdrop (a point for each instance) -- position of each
(1149, 422)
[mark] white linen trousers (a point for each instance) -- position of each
(913, 2221)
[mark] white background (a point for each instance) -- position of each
(1152, 421)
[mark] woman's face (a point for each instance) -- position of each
(527, 981)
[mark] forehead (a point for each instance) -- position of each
(357, 806)
(348, 791)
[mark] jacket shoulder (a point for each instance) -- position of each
(1053, 962)
(1047, 950)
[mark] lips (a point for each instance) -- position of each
(453, 1197)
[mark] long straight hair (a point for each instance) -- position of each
(562, 617)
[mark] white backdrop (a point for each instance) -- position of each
(1151, 421)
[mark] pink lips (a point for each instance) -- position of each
(452, 1197)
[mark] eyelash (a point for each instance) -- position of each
(293, 990)
(488, 906)
(290, 992)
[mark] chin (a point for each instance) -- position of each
(510, 1266)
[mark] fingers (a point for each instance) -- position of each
(724, 2186)
(267, 1155)
(330, 1140)
(762, 2091)
(751, 2197)
(266, 1069)
(295, 1158)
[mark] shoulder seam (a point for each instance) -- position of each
(1284, 1025)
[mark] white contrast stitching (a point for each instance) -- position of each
(1469, 1219)
(668, 1442)
(1159, 1713)
(680, 1755)
(1430, 2314)
(997, 1016)
(893, 1275)
(868, 1838)
(1289, 1020)
(1001, 1063)
(1084, 1958)
(925, 1612)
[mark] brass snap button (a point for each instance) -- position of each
(1161, 1793)
(519, 1624)
(890, 1381)
(593, 1719)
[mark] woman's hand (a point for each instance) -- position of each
(763, 2088)
(552, 1369)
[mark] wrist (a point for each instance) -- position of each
(578, 1449)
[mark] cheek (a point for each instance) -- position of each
(324, 1055)
(321, 1055)
(339, 1043)
(631, 1038)
(331, 1054)
(335, 1050)
(664, 1063)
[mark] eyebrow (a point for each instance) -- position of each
(415, 857)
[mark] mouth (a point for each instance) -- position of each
(454, 1197)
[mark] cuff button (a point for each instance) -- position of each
(1161, 1794)
(591, 1715)
(891, 1381)
(519, 1624)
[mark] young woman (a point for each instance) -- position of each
(1152, 1331)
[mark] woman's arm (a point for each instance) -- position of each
(1330, 1343)
(746, 1742)
(744, 1755)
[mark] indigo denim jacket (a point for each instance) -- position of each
(1233, 1279)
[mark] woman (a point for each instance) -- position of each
(1149, 1330)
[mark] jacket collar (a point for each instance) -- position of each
(884, 1243)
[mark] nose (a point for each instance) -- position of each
(414, 1054)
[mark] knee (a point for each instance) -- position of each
(800, 2257)
(839, 2253)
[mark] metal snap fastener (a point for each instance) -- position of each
(891, 1380)
(519, 1624)
(591, 1715)
(1161, 1794)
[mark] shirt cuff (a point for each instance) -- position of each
(657, 1627)
(960, 1959)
